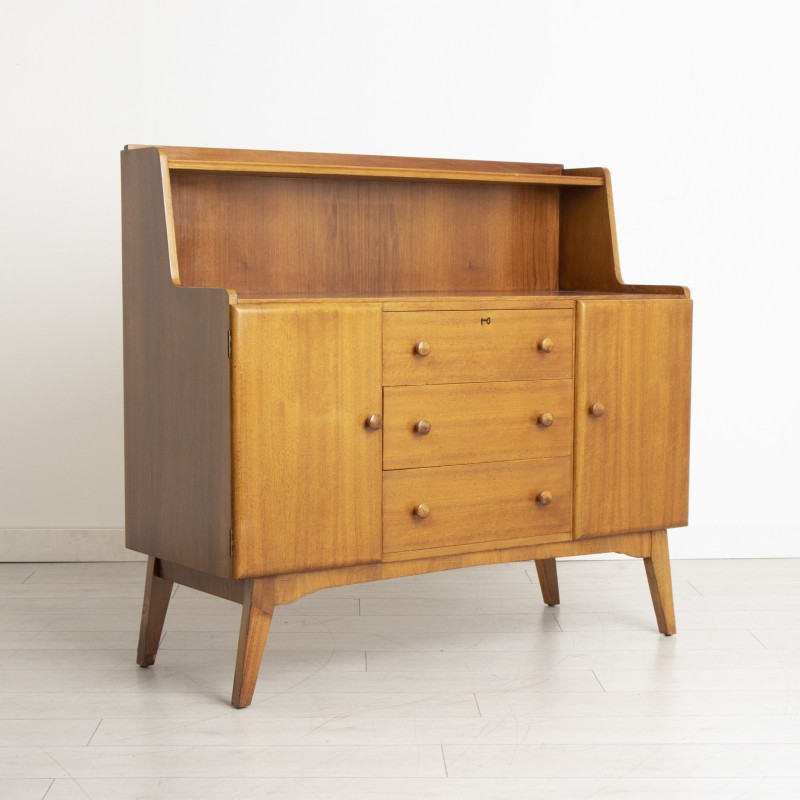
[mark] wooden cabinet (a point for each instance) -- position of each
(349, 368)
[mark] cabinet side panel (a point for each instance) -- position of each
(632, 462)
(588, 255)
(307, 470)
(177, 389)
(588, 258)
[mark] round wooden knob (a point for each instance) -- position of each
(423, 511)
(374, 421)
(547, 345)
(597, 409)
(422, 348)
(423, 427)
(544, 498)
(545, 420)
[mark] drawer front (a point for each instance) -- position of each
(422, 347)
(468, 423)
(475, 503)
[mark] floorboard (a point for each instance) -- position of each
(454, 685)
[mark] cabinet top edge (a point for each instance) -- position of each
(208, 155)
(276, 163)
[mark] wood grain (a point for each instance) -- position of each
(547, 573)
(632, 463)
(659, 580)
(483, 345)
(306, 468)
(474, 422)
(257, 607)
(257, 479)
(473, 301)
(588, 252)
(380, 173)
(211, 154)
(531, 538)
(226, 588)
(445, 301)
(177, 387)
(475, 503)
(289, 588)
(157, 592)
(271, 235)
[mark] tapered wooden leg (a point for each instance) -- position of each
(548, 580)
(659, 579)
(257, 607)
(157, 592)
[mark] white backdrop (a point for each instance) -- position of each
(693, 107)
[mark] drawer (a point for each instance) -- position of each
(422, 347)
(475, 503)
(470, 423)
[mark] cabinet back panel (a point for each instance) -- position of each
(278, 235)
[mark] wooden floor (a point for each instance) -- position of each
(457, 685)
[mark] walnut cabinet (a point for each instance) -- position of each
(347, 368)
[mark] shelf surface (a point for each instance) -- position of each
(477, 299)
(380, 173)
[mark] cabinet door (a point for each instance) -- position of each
(632, 448)
(306, 468)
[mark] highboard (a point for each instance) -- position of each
(347, 368)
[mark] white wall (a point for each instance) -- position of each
(691, 105)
